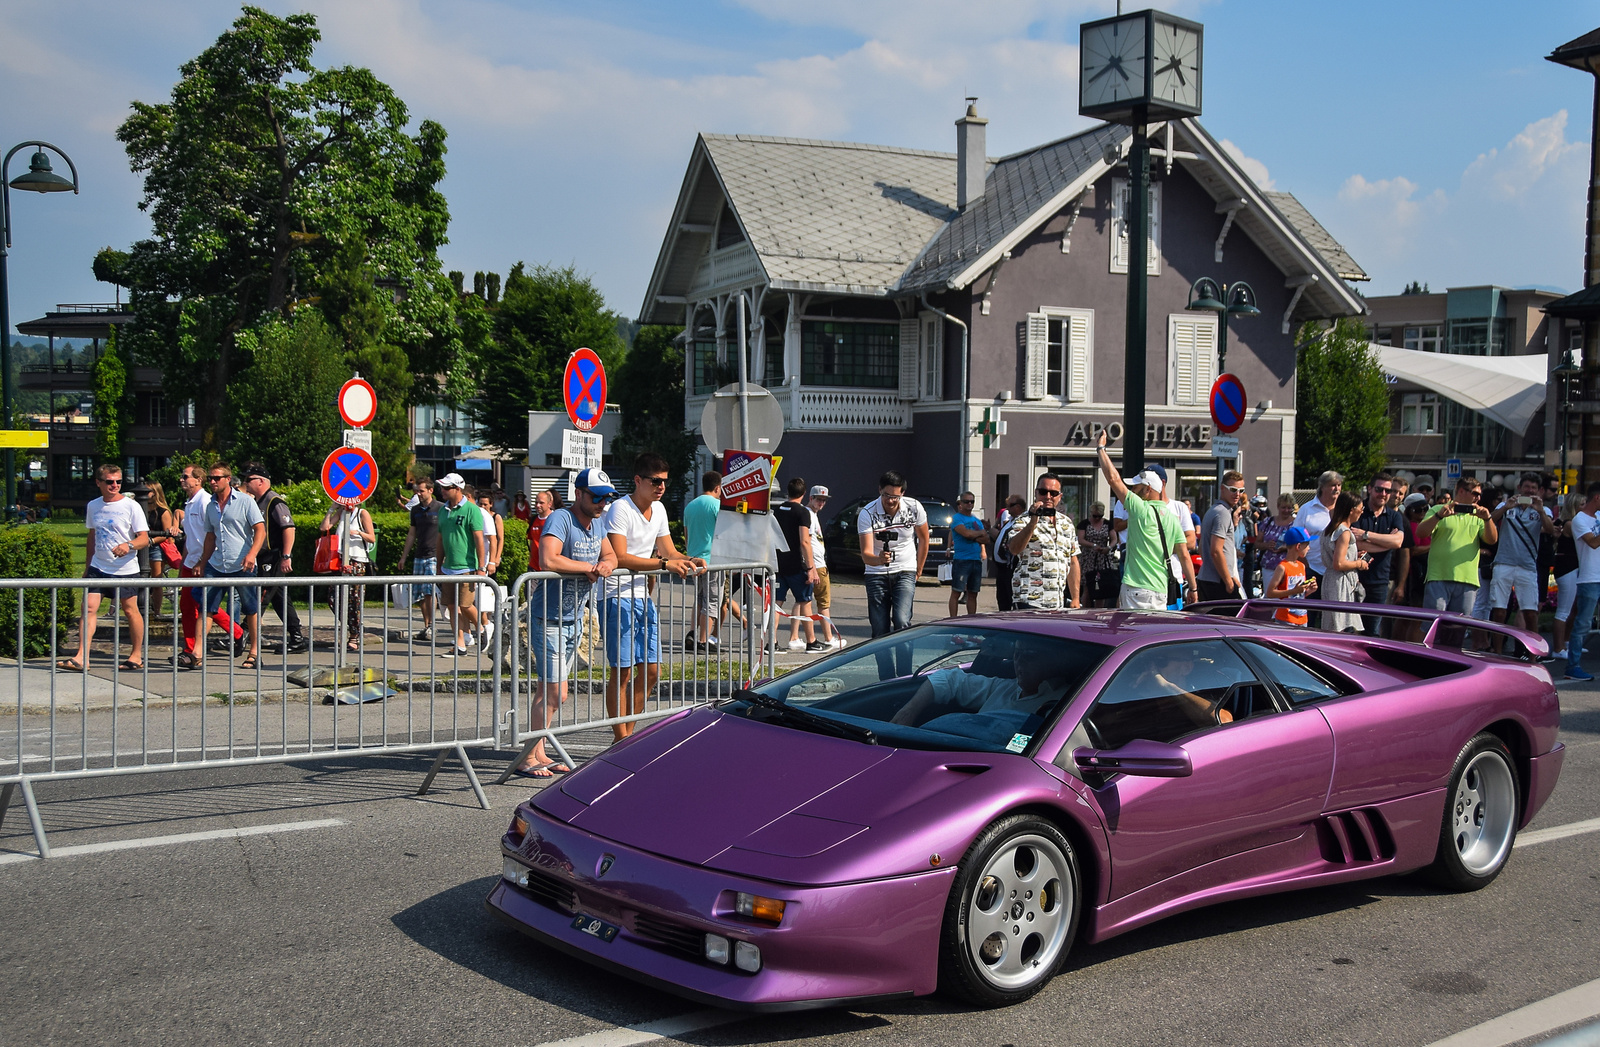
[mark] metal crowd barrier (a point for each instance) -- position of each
(575, 696)
(374, 690)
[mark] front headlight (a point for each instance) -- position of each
(515, 872)
(717, 949)
(746, 957)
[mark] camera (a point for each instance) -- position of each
(1464, 509)
(1524, 499)
(887, 536)
(1043, 510)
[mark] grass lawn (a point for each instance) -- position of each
(77, 536)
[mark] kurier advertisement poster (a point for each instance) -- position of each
(746, 481)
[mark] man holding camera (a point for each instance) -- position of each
(1044, 547)
(1458, 531)
(894, 547)
(1523, 520)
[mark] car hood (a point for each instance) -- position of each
(765, 800)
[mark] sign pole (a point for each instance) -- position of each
(744, 381)
(1133, 377)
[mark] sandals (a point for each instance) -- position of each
(70, 665)
(131, 666)
(542, 770)
(249, 662)
(187, 661)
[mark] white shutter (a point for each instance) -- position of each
(1119, 225)
(908, 358)
(1205, 357)
(1181, 336)
(1035, 356)
(1078, 359)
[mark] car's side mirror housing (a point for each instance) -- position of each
(1140, 757)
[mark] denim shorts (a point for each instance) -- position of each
(632, 631)
(247, 602)
(424, 565)
(111, 593)
(966, 576)
(554, 650)
(796, 584)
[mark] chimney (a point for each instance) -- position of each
(971, 157)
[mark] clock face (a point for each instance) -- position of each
(1112, 67)
(1175, 65)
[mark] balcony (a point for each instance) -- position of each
(840, 410)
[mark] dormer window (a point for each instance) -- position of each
(728, 231)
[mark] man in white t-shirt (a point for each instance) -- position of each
(893, 531)
(636, 527)
(1586, 536)
(116, 532)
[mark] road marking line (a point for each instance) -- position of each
(662, 1029)
(162, 841)
(1564, 1008)
(1558, 832)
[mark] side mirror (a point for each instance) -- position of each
(1144, 759)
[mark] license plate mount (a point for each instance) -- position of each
(595, 927)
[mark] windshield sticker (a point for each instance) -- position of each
(1018, 742)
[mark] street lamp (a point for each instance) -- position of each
(39, 179)
(1563, 372)
(1235, 299)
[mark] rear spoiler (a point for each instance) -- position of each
(1443, 629)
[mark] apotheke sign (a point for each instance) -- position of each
(1156, 434)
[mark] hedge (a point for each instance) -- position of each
(34, 551)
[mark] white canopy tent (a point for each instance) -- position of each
(1505, 389)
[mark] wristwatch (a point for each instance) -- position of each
(663, 563)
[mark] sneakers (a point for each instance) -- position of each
(818, 646)
(296, 644)
(1576, 672)
(797, 645)
(425, 636)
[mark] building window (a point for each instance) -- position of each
(703, 367)
(1058, 354)
(1381, 335)
(1575, 341)
(728, 231)
(1192, 359)
(1419, 414)
(852, 354)
(1478, 337)
(1422, 339)
(932, 359)
(775, 376)
(1121, 200)
(1468, 434)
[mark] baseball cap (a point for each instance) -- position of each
(450, 480)
(820, 491)
(1295, 536)
(595, 481)
(1414, 499)
(1149, 478)
(1160, 470)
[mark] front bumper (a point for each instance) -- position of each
(1542, 774)
(838, 944)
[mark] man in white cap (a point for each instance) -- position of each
(461, 551)
(1153, 535)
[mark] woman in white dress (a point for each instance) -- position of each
(1341, 582)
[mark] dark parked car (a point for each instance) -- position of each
(839, 536)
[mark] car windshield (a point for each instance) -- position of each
(943, 687)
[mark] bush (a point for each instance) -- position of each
(518, 552)
(305, 498)
(33, 551)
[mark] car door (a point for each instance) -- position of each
(1258, 780)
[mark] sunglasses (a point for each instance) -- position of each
(659, 481)
(1235, 490)
(219, 479)
(116, 482)
(1042, 493)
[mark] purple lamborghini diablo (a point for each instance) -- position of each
(953, 806)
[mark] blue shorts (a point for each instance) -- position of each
(966, 576)
(555, 647)
(424, 565)
(632, 631)
(794, 583)
(247, 602)
(113, 593)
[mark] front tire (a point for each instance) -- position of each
(1479, 827)
(1012, 914)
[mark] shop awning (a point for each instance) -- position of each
(1506, 389)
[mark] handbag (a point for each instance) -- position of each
(1174, 590)
(946, 570)
(327, 560)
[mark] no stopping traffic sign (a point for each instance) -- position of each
(583, 389)
(350, 476)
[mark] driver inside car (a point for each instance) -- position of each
(1164, 676)
(1042, 678)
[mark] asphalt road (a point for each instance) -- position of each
(359, 918)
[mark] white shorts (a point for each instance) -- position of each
(1134, 599)
(1520, 580)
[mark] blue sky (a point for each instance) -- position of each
(1431, 138)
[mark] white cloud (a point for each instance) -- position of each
(1252, 167)
(1515, 218)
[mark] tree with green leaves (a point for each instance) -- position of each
(648, 389)
(280, 409)
(1341, 403)
(544, 316)
(112, 412)
(257, 172)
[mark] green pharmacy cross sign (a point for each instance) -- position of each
(991, 428)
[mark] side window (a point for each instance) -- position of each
(1301, 684)
(1163, 693)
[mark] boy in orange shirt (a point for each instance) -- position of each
(1289, 581)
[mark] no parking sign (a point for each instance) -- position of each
(1228, 402)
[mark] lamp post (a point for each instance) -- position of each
(1235, 299)
(39, 179)
(1564, 372)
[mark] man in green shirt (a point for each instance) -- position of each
(1459, 531)
(1153, 534)
(700, 526)
(460, 552)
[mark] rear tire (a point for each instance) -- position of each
(1483, 805)
(1012, 914)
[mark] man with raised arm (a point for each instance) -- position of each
(1153, 534)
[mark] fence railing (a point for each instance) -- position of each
(350, 665)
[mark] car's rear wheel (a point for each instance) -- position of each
(1012, 914)
(1480, 817)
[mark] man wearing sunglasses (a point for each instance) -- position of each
(116, 531)
(1219, 566)
(636, 527)
(235, 533)
(1044, 544)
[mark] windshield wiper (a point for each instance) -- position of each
(797, 716)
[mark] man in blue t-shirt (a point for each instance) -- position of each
(572, 543)
(967, 536)
(700, 526)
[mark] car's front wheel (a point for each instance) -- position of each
(1012, 914)
(1480, 819)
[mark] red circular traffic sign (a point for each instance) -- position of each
(583, 389)
(1228, 402)
(350, 476)
(358, 403)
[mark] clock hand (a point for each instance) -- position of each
(1103, 71)
(1176, 68)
